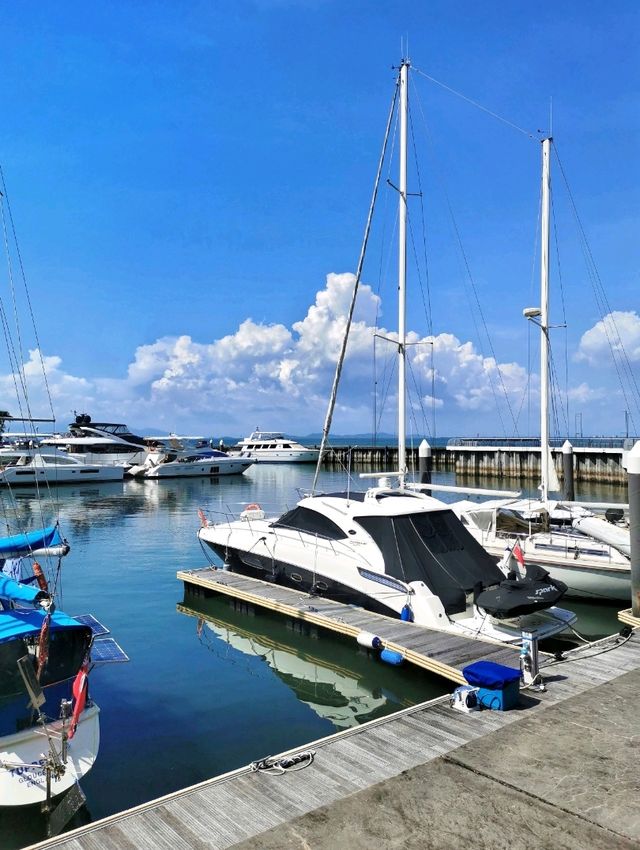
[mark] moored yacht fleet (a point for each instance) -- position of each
(109, 451)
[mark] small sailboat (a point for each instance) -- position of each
(589, 553)
(49, 725)
(392, 549)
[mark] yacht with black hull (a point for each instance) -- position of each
(397, 552)
(391, 549)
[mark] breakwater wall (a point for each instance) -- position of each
(599, 464)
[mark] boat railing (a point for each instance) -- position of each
(534, 442)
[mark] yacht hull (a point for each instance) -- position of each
(374, 592)
(299, 578)
(176, 469)
(283, 456)
(20, 477)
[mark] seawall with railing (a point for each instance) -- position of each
(595, 459)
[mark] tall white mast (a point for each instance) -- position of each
(402, 273)
(544, 320)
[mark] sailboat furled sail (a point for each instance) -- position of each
(392, 549)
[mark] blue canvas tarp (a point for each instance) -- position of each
(21, 622)
(32, 541)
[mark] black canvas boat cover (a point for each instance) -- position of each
(515, 598)
(434, 547)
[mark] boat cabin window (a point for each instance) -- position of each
(311, 522)
(433, 547)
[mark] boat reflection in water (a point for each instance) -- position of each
(338, 680)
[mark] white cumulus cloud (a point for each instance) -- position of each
(619, 330)
(280, 377)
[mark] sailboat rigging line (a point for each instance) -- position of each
(471, 281)
(420, 402)
(17, 359)
(565, 406)
(420, 194)
(390, 375)
(336, 379)
(427, 306)
(616, 345)
(376, 420)
(23, 276)
(527, 133)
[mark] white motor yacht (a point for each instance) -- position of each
(391, 549)
(105, 443)
(26, 466)
(394, 551)
(161, 463)
(274, 447)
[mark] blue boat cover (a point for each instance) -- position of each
(20, 622)
(489, 674)
(15, 591)
(23, 544)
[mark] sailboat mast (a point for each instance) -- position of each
(544, 320)
(402, 273)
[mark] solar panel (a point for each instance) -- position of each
(107, 651)
(95, 625)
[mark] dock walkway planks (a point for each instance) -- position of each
(226, 810)
(439, 652)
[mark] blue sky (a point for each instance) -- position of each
(185, 176)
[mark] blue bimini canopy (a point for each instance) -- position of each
(31, 542)
(20, 622)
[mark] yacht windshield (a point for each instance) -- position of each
(433, 547)
(311, 522)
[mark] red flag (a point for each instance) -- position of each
(517, 553)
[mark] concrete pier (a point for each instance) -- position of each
(563, 778)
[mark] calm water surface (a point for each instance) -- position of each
(207, 689)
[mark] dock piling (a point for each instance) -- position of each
(425, 462)
(568, 489)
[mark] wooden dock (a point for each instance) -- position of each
(438, 652)
(237, 806)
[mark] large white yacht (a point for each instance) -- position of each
(274, 447)
(394, 551)
(107, 443)
(23, 467)
(391, 549)
(163, 463)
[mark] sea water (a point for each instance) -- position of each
(208, 689)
